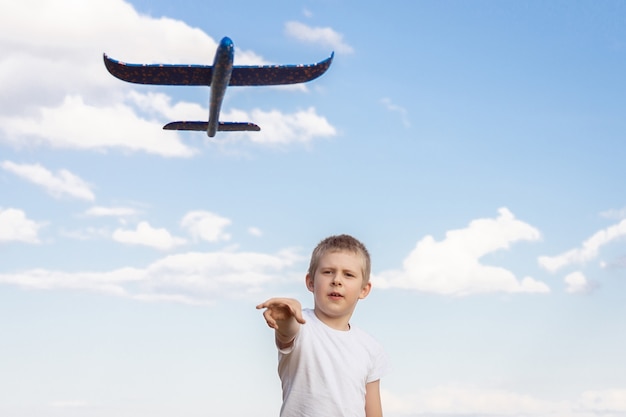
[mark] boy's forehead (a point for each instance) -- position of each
(330, 256)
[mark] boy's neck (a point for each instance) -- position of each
(336, 323)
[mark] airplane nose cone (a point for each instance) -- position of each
(226, 42)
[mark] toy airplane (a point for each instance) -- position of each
(218, 77)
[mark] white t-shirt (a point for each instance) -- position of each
(325, 372)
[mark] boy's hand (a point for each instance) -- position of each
(281, 309)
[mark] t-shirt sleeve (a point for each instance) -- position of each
(380, 365)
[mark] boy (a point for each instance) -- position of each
(327, 367)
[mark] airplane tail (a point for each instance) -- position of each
(221, 127)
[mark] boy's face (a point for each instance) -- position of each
(338, 285)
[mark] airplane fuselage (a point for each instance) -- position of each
(222, 70)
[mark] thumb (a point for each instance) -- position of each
(298, 316)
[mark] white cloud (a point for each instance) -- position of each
(76, 125)
(397, 109)
(109, 283)
(194, 277)
(279, 128)
(63, 183)
(577, 283)
(203, 225)
(452, 266)
(159, 104)
(323, 36)
(614, 214)
(588, 251)
(605, 402)
(617, 263)
(16, 227)
(461, 400)
(146, 235)
(88, 233)
(35, 44)
(208, 271)
(100, 211)
(255, 231)
(452, 400)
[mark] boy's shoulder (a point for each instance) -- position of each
(365, 336)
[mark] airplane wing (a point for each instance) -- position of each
(278, 74)
(167, 74)
(159, 74)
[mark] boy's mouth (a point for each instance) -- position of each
(335, 294)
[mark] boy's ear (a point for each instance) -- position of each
(309, 282)
(365, 290)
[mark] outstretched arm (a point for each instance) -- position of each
(373, 407)
(284, 315)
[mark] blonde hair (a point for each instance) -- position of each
(339, 243)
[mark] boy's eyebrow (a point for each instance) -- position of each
(354, 271)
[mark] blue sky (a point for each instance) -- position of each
(477, 148)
